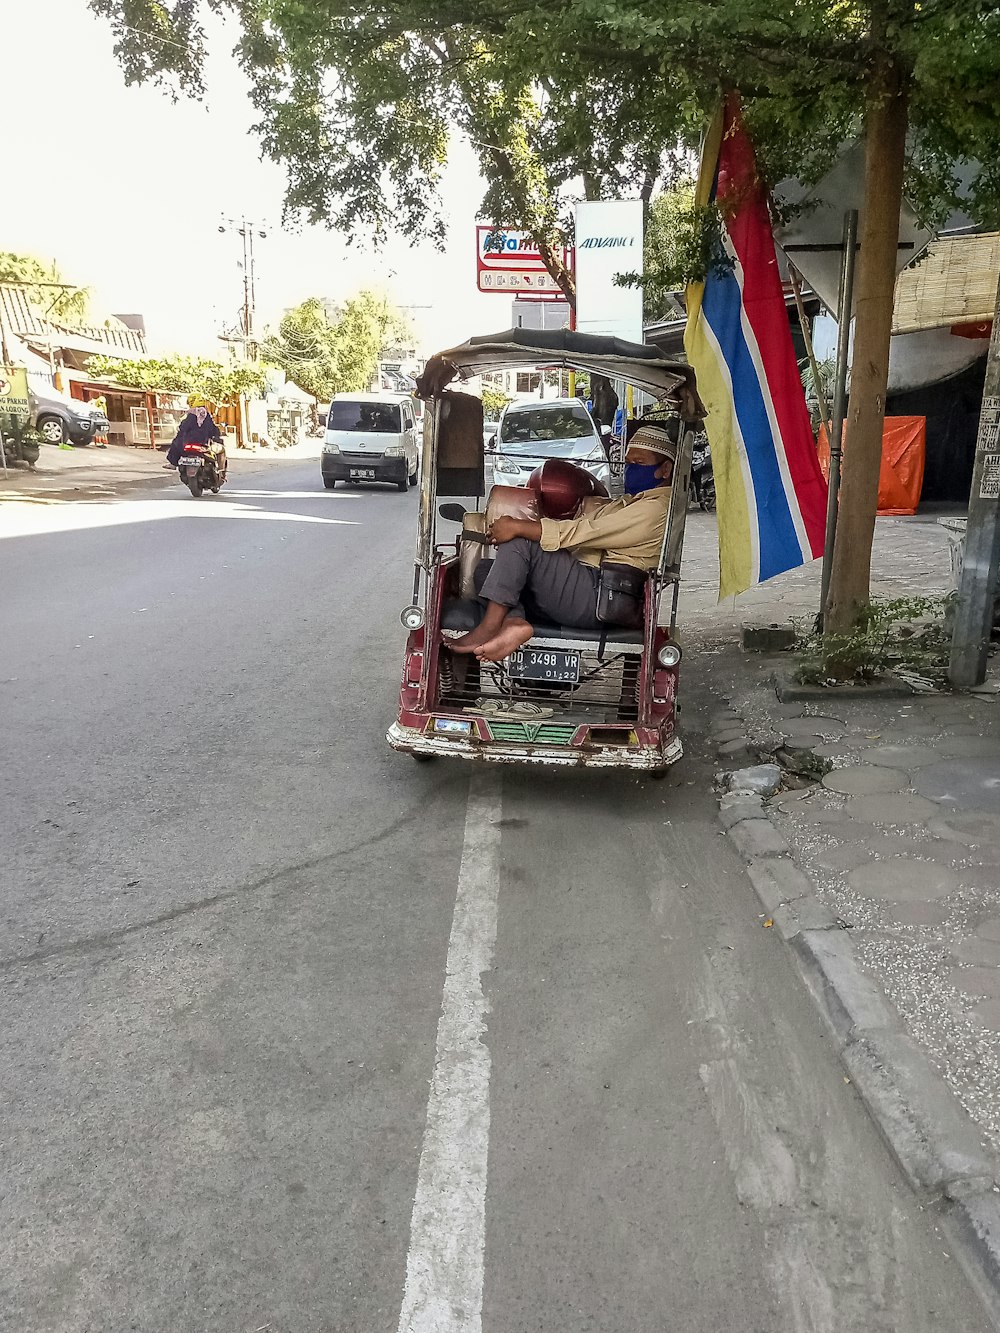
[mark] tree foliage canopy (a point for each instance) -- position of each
(183, 374)
(358, 102)
(326, 356)
(357, 99)
(69, 306)
(682, 243)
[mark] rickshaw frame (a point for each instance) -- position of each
(651, 743)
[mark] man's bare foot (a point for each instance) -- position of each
(488, 628)
(471, 642)
(513, 634)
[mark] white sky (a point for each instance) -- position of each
(125, 191)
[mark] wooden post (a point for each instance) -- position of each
(978, 585)
(885, 152)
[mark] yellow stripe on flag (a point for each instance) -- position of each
(736, 572)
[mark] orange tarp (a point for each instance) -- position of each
(904, 449)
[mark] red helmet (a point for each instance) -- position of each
(561, 486)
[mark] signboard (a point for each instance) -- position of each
(508, 262)
(15, 409)
(608, 242)
(814, 239)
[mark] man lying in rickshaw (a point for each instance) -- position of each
(551, 568)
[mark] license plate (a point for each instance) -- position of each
(544, 664)
(191, 467)
(362, 474)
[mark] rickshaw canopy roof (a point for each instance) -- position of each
(637, 363)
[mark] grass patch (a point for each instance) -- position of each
(904, 635)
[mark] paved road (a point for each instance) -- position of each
(231, 1051)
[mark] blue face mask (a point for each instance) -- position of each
(641, 477)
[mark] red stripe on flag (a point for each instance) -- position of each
(749, 229)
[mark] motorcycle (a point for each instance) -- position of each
(702, 477)
(203, 467)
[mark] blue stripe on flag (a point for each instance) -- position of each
(778, 540)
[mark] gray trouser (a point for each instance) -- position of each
(542, 585)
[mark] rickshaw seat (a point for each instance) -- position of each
(470, 552)
(464, 614)
(503, 502)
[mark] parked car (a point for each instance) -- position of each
(530, 432)
(370, 437)
(59, 418)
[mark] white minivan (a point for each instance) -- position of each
(370, 437)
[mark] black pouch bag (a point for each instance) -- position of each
(620, 595)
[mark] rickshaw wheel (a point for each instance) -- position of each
(657, 774)
(424, 758)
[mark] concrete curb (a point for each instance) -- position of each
(934, 1141)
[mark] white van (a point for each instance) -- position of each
(370, 437)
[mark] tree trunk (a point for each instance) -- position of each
(591, 186)
(556, 268)
(549, 246)
(885, 144)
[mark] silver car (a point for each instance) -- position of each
(530, 432)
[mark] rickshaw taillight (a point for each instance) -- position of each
(413, 662)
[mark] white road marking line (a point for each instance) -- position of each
(445, 1263)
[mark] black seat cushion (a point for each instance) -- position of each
(465, 613)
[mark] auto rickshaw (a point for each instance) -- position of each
(570, 696)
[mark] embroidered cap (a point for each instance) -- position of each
(655, 439)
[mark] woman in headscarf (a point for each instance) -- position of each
(196, 428)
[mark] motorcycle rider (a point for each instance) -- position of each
(197, 427)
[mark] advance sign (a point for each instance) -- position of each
(608, 243)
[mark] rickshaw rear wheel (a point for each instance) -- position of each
(424, 758)
(329, 482)
(657, 774)
(403, 485)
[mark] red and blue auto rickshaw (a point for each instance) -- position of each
(569, 697)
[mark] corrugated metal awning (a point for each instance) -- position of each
(22, 317)
(956, 283)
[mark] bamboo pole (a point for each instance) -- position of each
(824, 412)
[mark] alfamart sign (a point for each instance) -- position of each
(608, 242)
(508, 261)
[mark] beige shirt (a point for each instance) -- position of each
(627, 531)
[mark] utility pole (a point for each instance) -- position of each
(978, 585)
(246, 229)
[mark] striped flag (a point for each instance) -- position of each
(770, 491)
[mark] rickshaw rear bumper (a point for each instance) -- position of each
(647, 759)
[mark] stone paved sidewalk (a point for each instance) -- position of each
(900, 841)
(910, 556)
